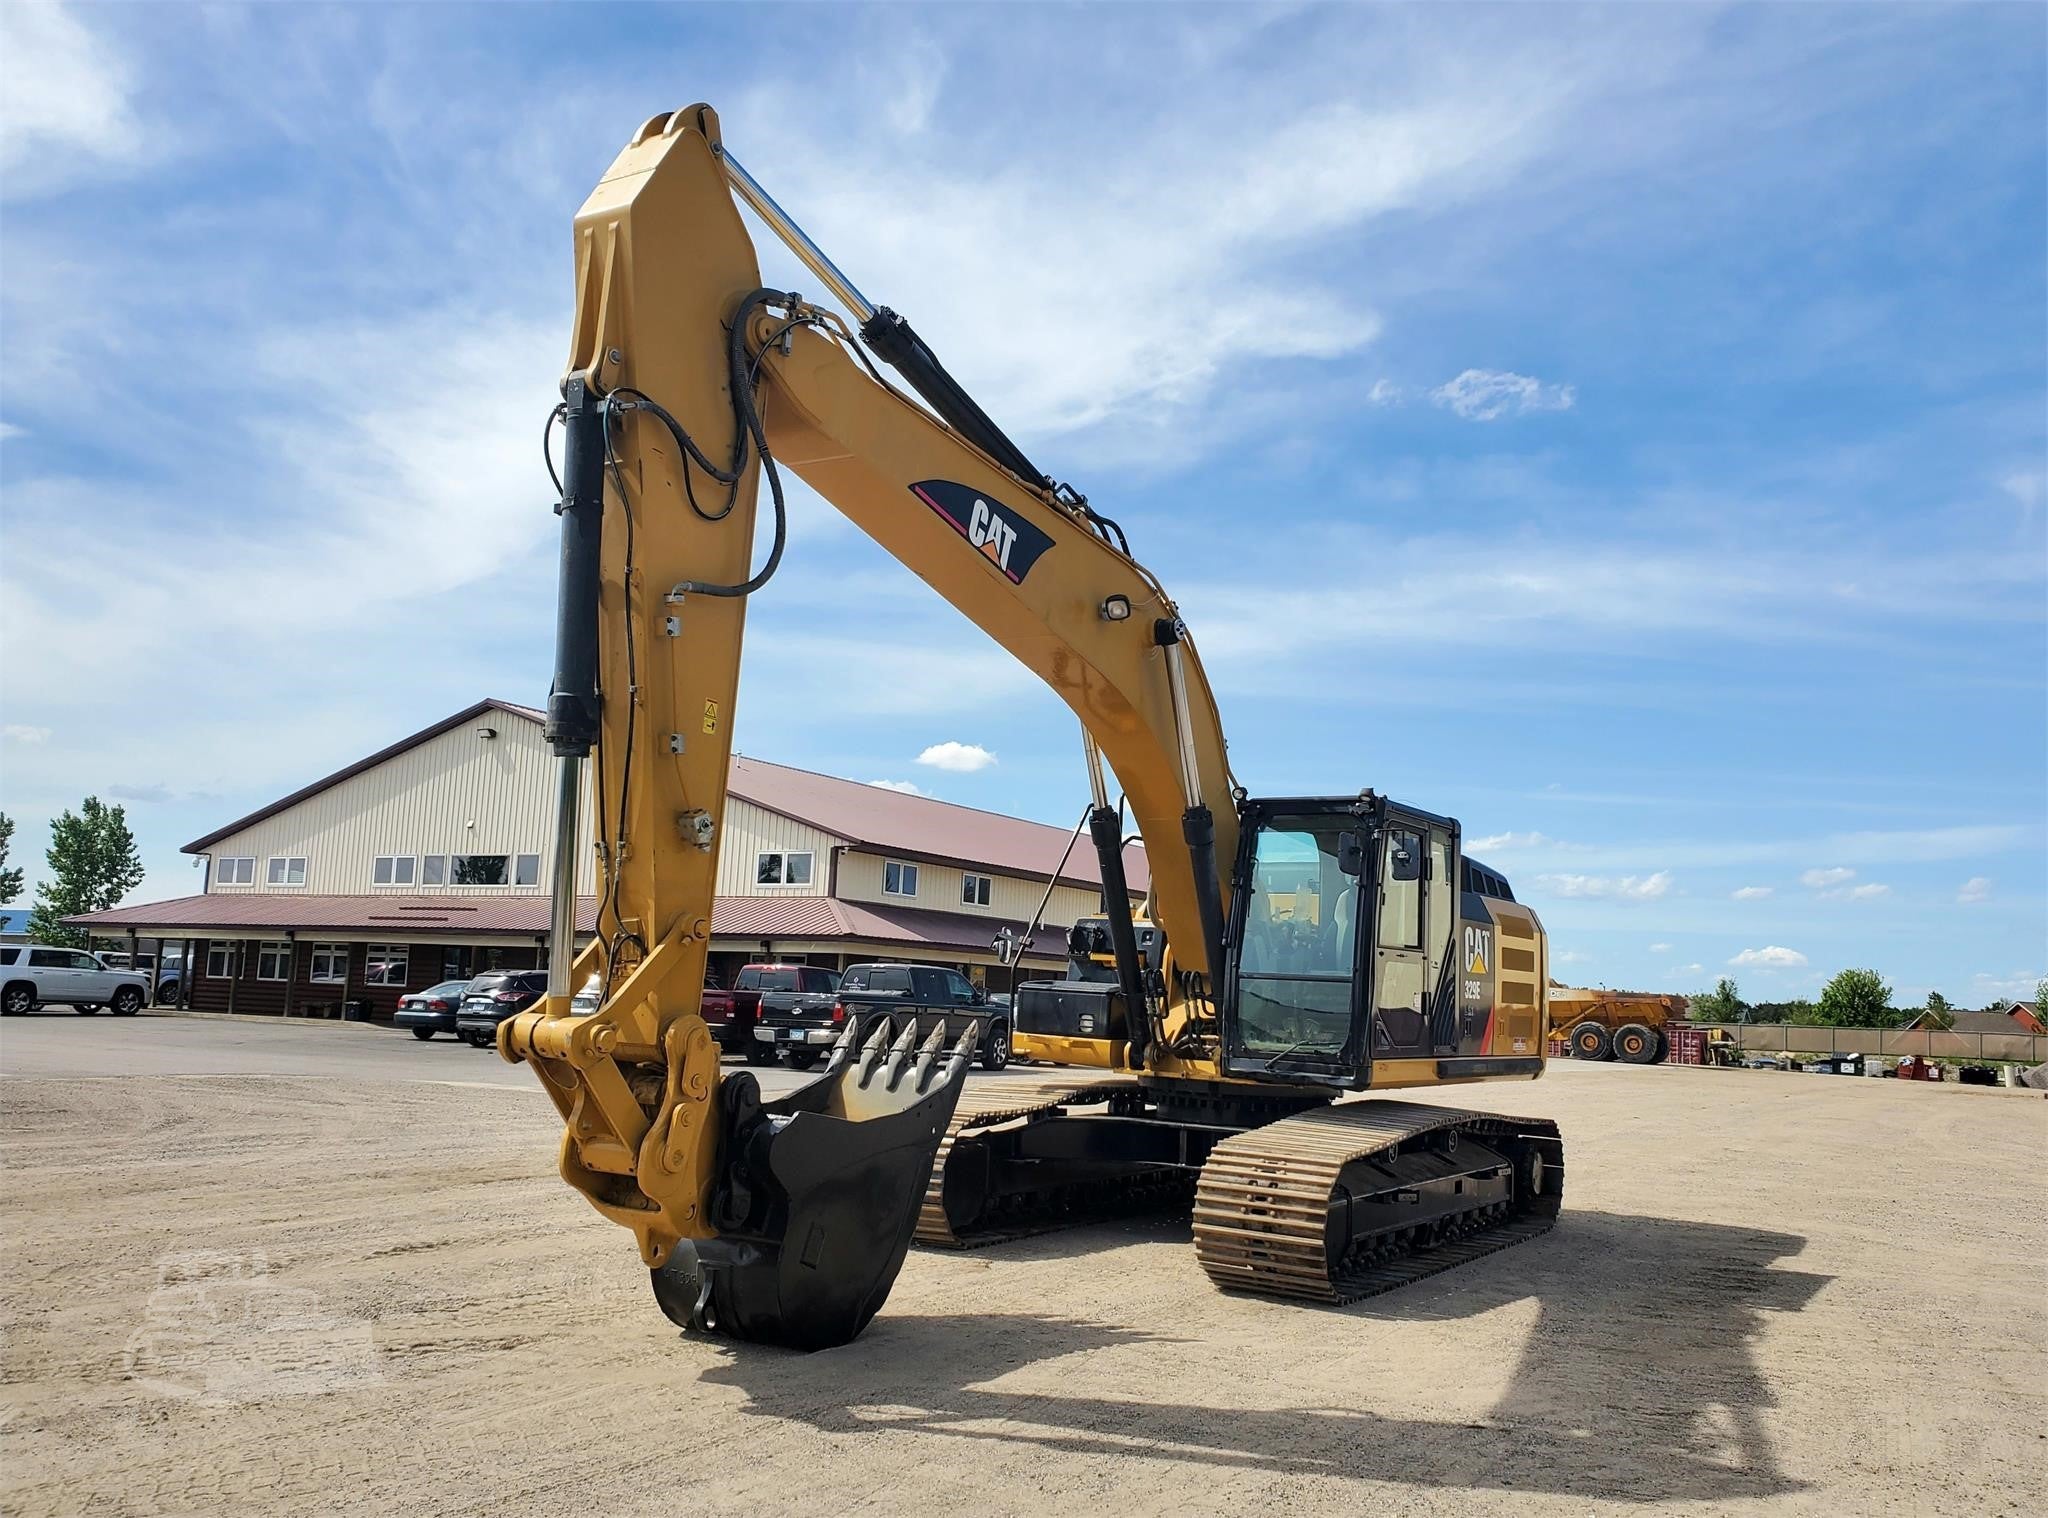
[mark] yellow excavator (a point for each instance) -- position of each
(1299, 948)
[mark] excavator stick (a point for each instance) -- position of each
(818, 1194)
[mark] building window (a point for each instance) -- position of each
(387, 965)
(526, 870)
(477, 869)
(392, 870)
(223, 960)
(974, 890)
(782, 868)
(899, 879)
(287, 871)
(274, 961)
(330, 964)
(433, 869)
(235, 869)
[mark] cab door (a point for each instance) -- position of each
(1401, 968)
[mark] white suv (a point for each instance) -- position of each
(34, 974)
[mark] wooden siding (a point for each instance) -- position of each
(454, 794)
(750, 831)
(424, 967)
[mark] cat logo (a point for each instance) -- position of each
(995, 531)
(1478, 944)
(991, 534)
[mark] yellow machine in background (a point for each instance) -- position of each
(1302, 947)
(1626, 1025)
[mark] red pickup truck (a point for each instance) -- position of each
(731, 1014)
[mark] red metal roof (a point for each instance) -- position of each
(275, 910)
(865, 814)
(798, 917)
(747, 917)
(895, 821)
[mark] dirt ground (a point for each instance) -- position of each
(330, 1293)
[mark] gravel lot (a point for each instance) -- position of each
(342, 1276)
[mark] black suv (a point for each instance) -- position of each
(927, 994)
(491, 998)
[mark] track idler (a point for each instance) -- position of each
(818, 1193)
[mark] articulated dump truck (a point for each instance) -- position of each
(1631, 1026)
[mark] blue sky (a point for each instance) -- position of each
(1622, 429)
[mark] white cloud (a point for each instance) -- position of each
(1495, 843)
(1172, 261)
(22, 732)
(2018, 985)
(1570, 957)
(1833, 885)
(64, 99)
(1772, 957)
(1977, 888)
(1660, 948)
(1622, 888)
(960, 758)
(1750, 893)
(8, 430)
(1485, 395)
(1688, 969)
(908, 788)
(1385, 393)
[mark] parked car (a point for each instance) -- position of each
(491, 998)
(584, 1002)
(433, 1010)
(797, 1015)
(170, 975)
(33, 975)
(734, 1013)
(926, 994)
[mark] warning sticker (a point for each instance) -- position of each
(710, 716)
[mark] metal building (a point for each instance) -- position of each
(427, 861)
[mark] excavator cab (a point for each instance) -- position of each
(1338, 938)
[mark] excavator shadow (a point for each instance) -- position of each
(1638, 1381)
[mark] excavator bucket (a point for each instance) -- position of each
(818, 1193)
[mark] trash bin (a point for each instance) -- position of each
(355, 1011)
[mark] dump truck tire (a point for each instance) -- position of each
(1590, 1041)
(1635, 1045)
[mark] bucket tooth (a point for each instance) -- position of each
(872, 1051)
(963, 1051)
(927, 1055)
(899, 1054)
(842, 1048)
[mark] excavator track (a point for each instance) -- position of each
(1351, 1200)
(985, 1106)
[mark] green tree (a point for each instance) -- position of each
(10, 880)
(1939, 1013)
(1857, 999)
(93, 864)
(1720, 1005)
(2040, 995)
